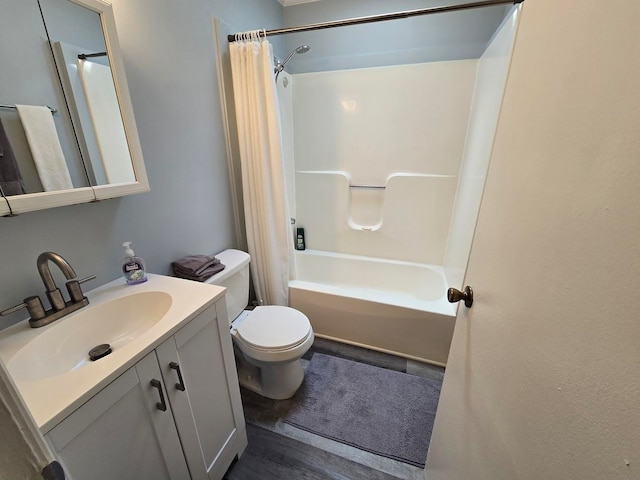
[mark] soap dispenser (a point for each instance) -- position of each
(133, 267)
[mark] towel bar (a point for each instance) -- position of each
(375, 187)
(13, 107)
(84, 56)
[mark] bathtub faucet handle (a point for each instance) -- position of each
(454, 295)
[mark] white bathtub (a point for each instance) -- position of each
(386, 305)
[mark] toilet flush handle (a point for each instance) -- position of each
(454, 295)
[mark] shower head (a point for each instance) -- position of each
(280, 65)
(302, 49)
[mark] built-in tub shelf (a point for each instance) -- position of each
(364, 205)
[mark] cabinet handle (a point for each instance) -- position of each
(161, 405)
(180, 385)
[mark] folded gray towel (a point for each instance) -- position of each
(194, 265)
(208, 272)
(10, 178)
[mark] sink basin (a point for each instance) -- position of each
(64, 345)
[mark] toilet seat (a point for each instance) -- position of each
(274, 328)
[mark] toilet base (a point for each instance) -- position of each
(249, 379)
(277, 381)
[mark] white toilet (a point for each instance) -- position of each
(271, 339)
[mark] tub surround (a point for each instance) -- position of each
(376, 202)
(488, 93)
(400, 127)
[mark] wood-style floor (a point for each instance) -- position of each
(279, 451)
(274, 456)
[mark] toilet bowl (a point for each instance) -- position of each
(273, 339)
(269, 340)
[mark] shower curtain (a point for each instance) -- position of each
(269, 241)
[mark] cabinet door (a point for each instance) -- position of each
(121, 434)
(208, 412)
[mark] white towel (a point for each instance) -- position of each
(45, 147)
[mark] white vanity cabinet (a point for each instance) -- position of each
(120, 433)
(201, 381)
(176, 414)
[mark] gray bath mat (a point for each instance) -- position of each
(381, 411)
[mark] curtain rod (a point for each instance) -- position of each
(383, 17)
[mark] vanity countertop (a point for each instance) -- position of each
(51, 398)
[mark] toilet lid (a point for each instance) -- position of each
(274, 328)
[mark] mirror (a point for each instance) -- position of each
(76, 139)
(83, 65)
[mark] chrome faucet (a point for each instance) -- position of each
(59, 307)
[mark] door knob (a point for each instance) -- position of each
(454, 295)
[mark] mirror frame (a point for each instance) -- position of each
(17, 204)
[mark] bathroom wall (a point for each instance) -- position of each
(491, 77)
(447, 36)
(169, 59)
(400, 127)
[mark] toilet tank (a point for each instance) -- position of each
(235, 277)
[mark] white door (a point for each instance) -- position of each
(543, 378)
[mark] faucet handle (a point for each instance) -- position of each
(73, 287)
(13, 309)
(33, 306)
(87, 279)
